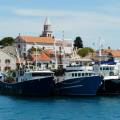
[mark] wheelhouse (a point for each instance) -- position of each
(78, 74)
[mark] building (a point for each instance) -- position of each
(7, 59)
(47, 30)
(45, 41)
(107, 54)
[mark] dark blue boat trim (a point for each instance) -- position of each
(83, 86)
(37, 87)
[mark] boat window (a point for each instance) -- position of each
(82, 74)
(107, 68)
(75, 74)
(112, 68)
(79, 74)
(41, 74)
(89, 74)
(72, 74)
(86, 74)
(103, 68)
(100, 68)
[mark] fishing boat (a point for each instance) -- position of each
(28, 83)
(111, 78)
(75, 78)
(78, 82)
(109, 68)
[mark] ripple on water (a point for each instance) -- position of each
(60, 108)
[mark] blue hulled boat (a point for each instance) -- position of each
(111, 78)
(78, 82)
(29, 83)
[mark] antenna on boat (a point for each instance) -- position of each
(100, 50)
(26, 62)
(100, 55)
(63, 45)
(35, 56)
(56, 62)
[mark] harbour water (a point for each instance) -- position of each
(60, 108)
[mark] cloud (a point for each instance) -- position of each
(38, 13)
(89, 17)
(89, 24)
(14, 26)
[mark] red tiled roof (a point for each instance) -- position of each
(49, 51)
(115, 53)
(48, 40)
(40, 57)
(32, 39)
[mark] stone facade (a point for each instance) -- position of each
(7, 61)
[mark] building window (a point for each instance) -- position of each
(90, 74)
(82, 74)
(7, 68)
(49, 35)
(7, 61)
(75, 74)
(72, 74)
(86, 74)
(79, 74)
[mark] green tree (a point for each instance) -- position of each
(85, 51)
(33, 49)
(78, 43)
(7, 41)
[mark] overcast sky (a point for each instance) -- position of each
(90, 19)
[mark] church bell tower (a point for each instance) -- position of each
(47, 32)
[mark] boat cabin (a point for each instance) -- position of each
(21, 76)
(78, 74)
(107, 70)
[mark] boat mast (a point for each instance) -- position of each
(35, 56)
(26, 62)
(56, 62)
(100, 50)
(63, 45)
